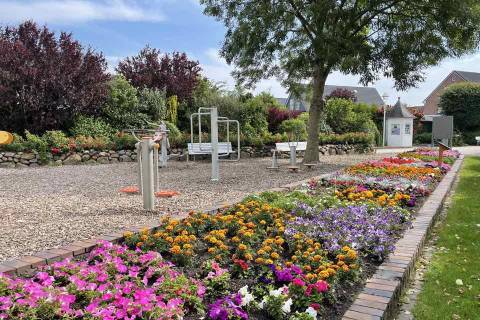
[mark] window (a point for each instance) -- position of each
(395, 131)
(407, 128)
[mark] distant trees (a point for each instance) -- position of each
(462, 101)
(45, 80)
(174, 73)
(342, 94)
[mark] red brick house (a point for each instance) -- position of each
(431, 102)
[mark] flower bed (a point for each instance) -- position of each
(297, 255)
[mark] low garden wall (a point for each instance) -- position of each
(34, 159)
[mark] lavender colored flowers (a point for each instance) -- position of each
(371, 230)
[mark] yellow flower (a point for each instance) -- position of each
(274, 255)
(248, 256)
(346, 248)
(211, 250)
(351, 254)
(242, 247)
(175, 249)
(259, 260)
(128, 234)
(269, 261)
(324, 274)
(261, 252)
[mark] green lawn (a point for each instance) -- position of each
(452, 283)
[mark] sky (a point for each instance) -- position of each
(121, 28)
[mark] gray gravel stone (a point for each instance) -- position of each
(52, 206)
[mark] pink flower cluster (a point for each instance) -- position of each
(113, 283)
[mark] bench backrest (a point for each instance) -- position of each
(206, 148)
(285, 146)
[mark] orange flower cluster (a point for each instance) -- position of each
(251, 231)
(373, 196)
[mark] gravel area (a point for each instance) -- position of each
(47, 207)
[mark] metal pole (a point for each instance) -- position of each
(147, 146)
(384, 125)
(293, 155)
(155, 168)
(138, 146)
(214, 134)
(163, 149)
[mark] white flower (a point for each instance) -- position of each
(243, 290)
(247, 297)
(276, 293)
(262, 303)
(286, 306)
(311, 312)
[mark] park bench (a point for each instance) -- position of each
(285, 147)
(224, 149)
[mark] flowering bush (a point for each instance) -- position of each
(113, 283)
(370, 230)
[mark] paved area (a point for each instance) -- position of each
(51, 206)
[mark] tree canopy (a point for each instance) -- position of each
(46, 80)
(462, 101)
(174, 73)
(298, 39)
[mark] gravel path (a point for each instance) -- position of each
(47, 207)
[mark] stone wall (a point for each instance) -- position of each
(33, 159)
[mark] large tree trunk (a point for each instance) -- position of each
(316, 109)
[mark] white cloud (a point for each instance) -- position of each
(218, 70)
(76, 11)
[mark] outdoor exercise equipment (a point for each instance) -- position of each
(161, 136)
(149, 143)
(5, 138)
(214, 148)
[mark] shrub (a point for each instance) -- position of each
(18, 144)
(462, 101)
(91, 127)
(47, 80)
(422, 138)
(123, 141)
(36, 143)
(346, 116)
(95, 143)
(55, 139)
(152, 102)
(275, 116)
(347, 138)
(295, 129)
(172, 109)
(341, 93)
(122, 108)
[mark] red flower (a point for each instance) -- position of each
(241, 263)
(55, 151)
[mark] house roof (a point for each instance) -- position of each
(364, 94)
(465, 75)
(469, 76)
(399, 111)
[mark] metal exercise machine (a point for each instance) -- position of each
(215, 148)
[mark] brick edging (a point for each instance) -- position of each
(27, 265)
(379, 299)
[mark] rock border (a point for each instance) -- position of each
(379, 299)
